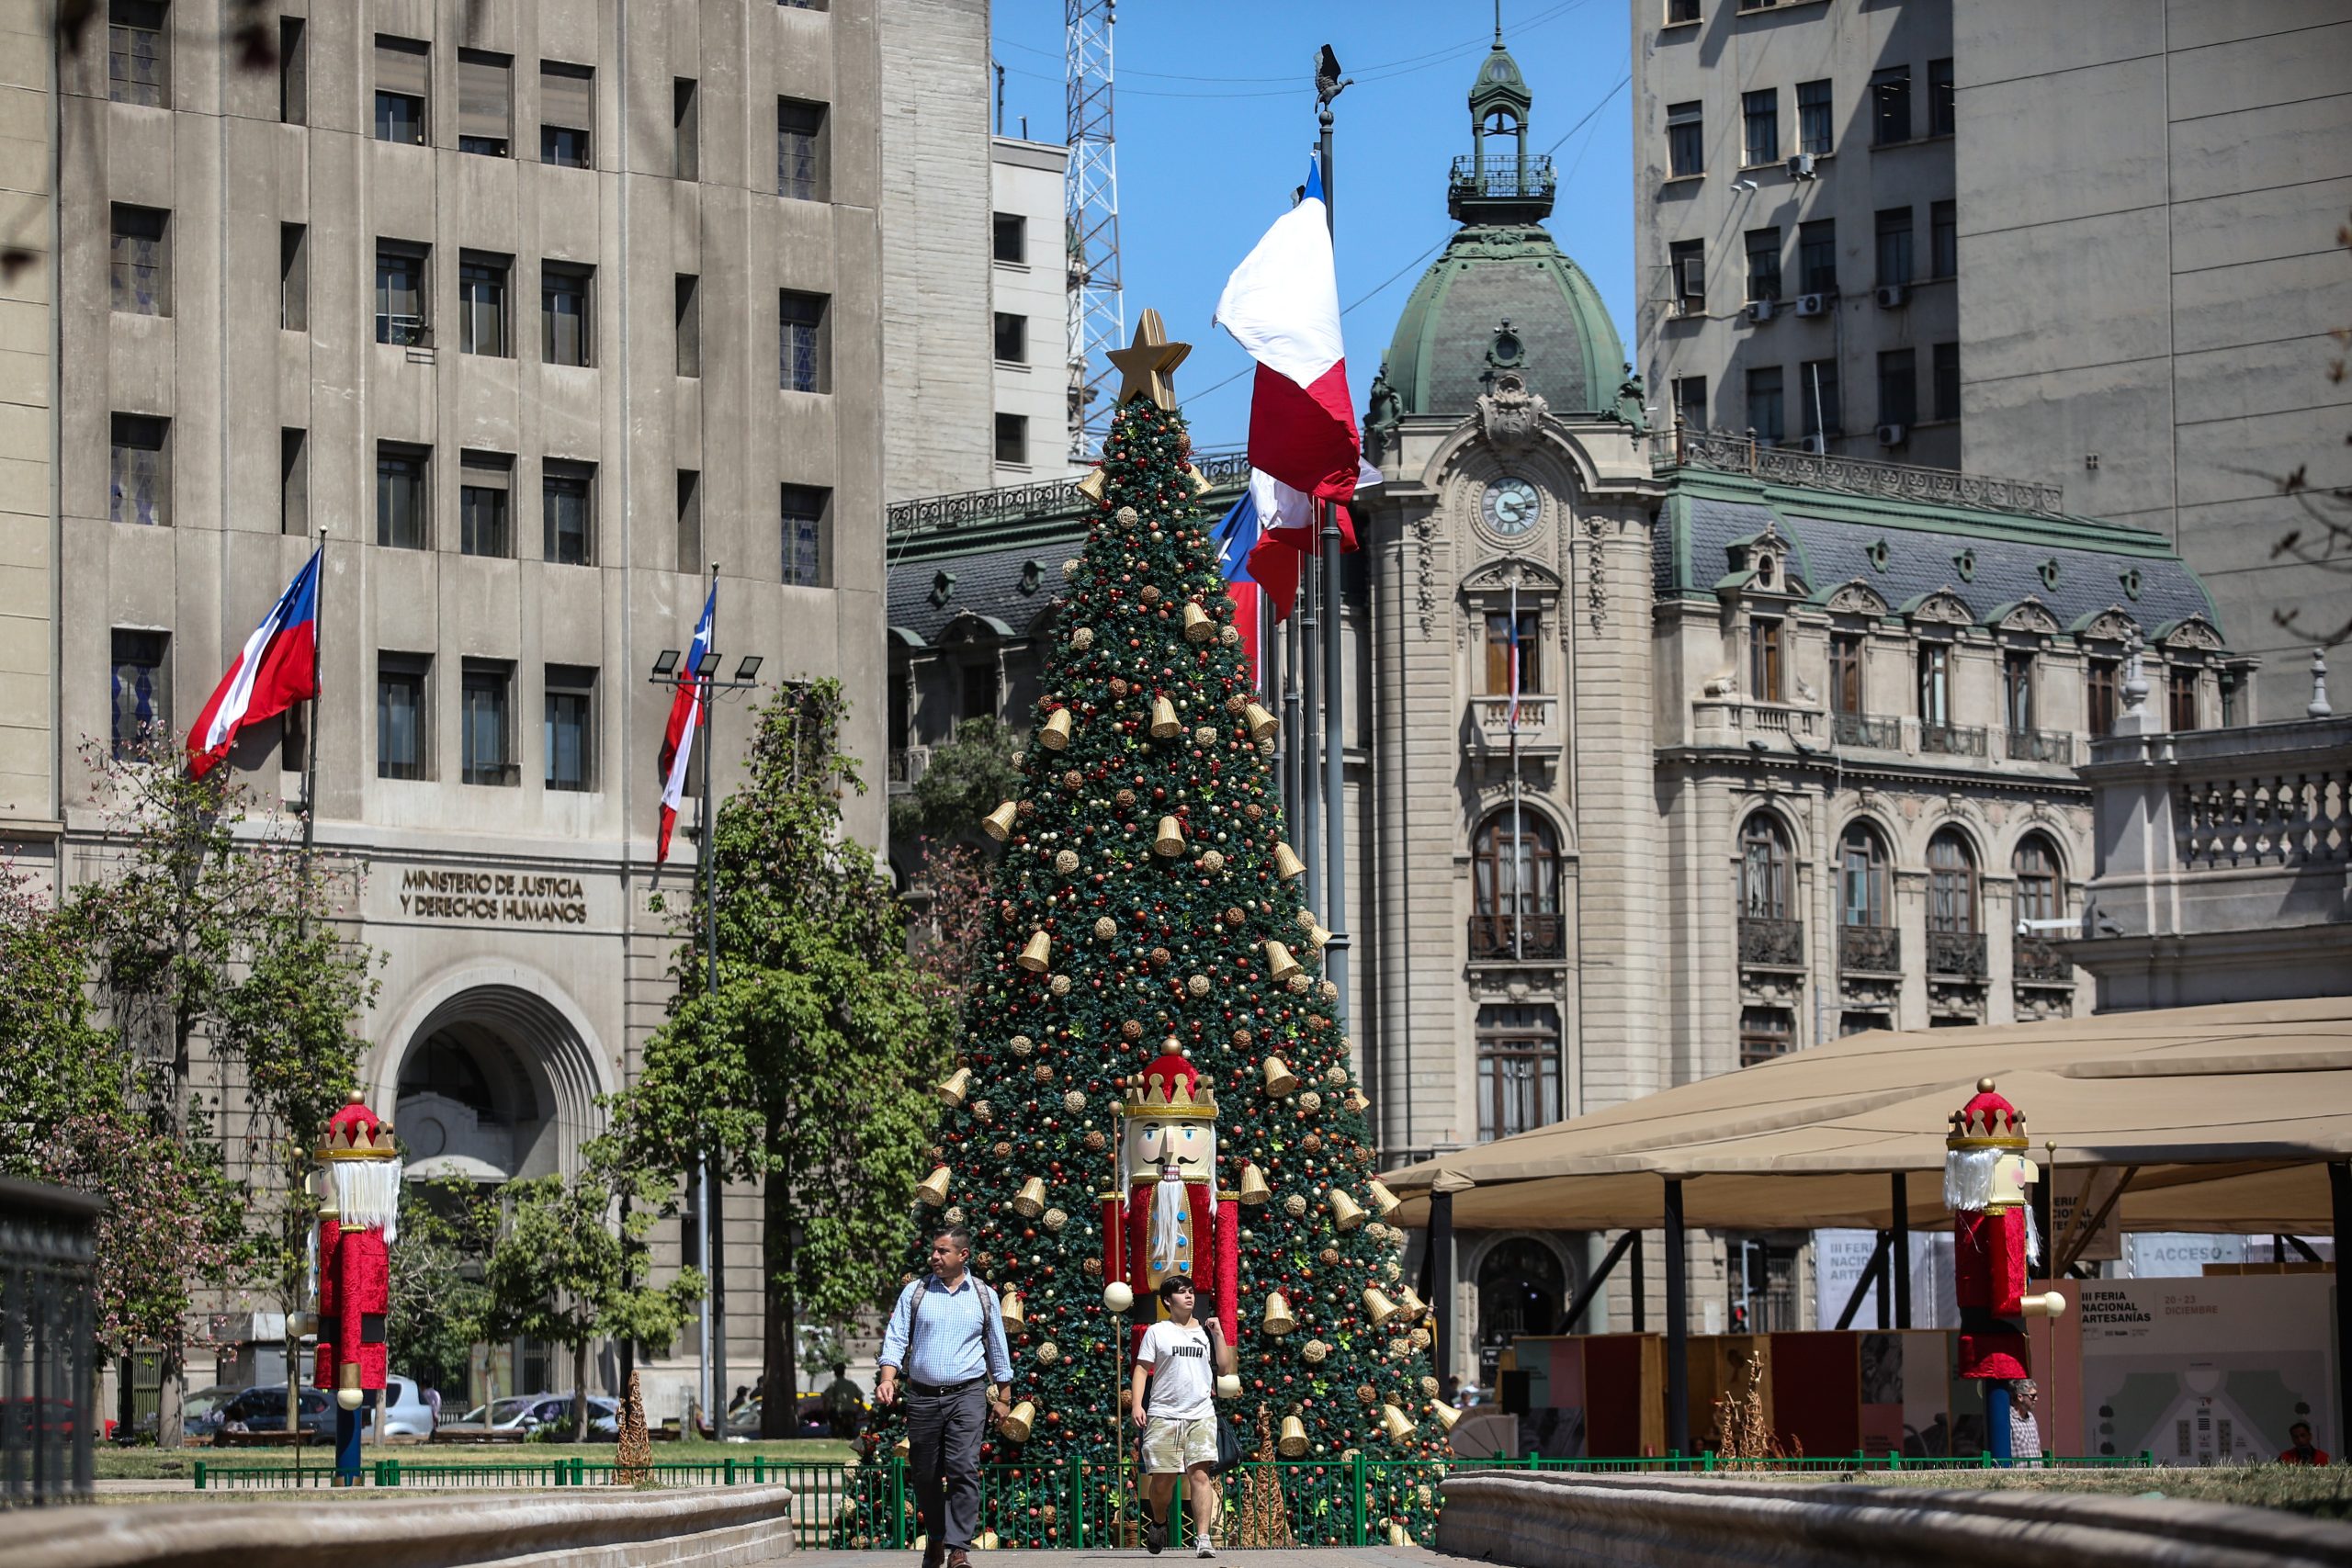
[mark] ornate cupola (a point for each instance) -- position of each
(1498, 182)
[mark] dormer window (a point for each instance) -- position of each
(1032, 576)
(1768, 570)
(1507, 349)
(943, 587)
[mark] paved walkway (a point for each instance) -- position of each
(1240, 1557)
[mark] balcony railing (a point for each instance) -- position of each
(1860, 730)
(2041, 746)
(2036, 963)
(1735, 452)
(2252, 821)
(1763, 720)
(1770, 945)
(1538, 723)
(1517, 936)
(1503, 175)
(1950, 741)
(1869, 950)
(909, 763)
(1226, 469)
(1956, 956)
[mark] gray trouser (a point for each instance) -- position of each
(944, 1450)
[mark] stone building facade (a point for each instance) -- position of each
(1794, 743)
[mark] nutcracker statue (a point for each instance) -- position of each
(1986, 1178)
(1166, 1216)
(358, 1222)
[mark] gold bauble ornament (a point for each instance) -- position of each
(1314, 1350)
(1213, 860)
(1048, 1353)
(1059, 984)
(1021, 1044)
(1081, 638)
(1066, 860)
(1055, 1219)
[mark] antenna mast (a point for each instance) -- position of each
(1091, 220)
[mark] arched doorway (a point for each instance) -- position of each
(1521, 1290)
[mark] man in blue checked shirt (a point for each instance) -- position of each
(947, 1334)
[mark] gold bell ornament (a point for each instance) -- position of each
(1169, 843)
(1279, 1080)
(1278, 1320)
(1255, 1189)
(1399, 1535)
(1038, 954)
(1165, 726)
(1346, 1212)
(933, 1190)
(900, 1450)
(997, 824)
(1377, 1306)
(1318, 935)
(1055, 733)
(1394, 1422)
(1286, 862)
(1010, 1308)
(1024, 1416)
(1384, 1202)
(1198, 627)
(1031, 1200)
(1293, 1442)
(1446, 1415)
(1280, 965)
(1415, 1308)
(987, 1540)
(954, 1087)
(1263, 724)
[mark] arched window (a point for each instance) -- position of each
(1952, 885)
(1521, 1290)
(1764, 893)
(2041, 888)
(1861, 877)
(1515, 887)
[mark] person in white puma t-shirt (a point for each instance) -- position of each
(1181, 1358)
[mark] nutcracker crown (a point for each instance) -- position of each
(1171, 1086)
(356, 1132)
(1986, 1121)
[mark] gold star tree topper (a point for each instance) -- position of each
(1148, 364)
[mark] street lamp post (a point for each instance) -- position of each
(669, 671)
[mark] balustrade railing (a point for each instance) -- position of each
(1771, 944)
(1223, 469)
(1950, 741)
(1517, 936)
(1869, 950)
(2036, 961)
(1956, 956)
(2041, 746)
(2305, 820)
(1735, 452)
(1860, 730)
(1504, 174)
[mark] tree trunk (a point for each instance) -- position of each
(579, 1390)
(778, 1402)
(170, 1402)
(293, 1378)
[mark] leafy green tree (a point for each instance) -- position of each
(810, 1070)
(966, 778)
(439, 1302)
(556, 1270)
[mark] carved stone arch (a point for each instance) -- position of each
(971, 627)
(1492, 576)
(2113, 623)
(2192, 634)
(1536, 806)
(1972, 830)
(1794, 824)
(2051, 833)
(2029, 616)
(1940, 606)
(1466, 452)
(1042, 623)
(1857, 598)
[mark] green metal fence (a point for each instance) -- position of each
(1069, 1503)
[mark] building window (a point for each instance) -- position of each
(2102, 681)
(403, 520)
(1012, 338)
(1688, 258)
(482, 304)
(138, 53)
(2017, 691)
(1825, 412)
(402, 68)
(142, 690)
(570, 731)
(1691, 401)
(1893, 245)
(1817, 256)
(1519, 1069)
(1768, 659)
(485, 103)
(1846, 673)
(1762, 1276)
(1764, 264)
(485, 722)
(1764, 1033)
(293, 71)
(689, 323)
(2180, 697)
(1815, 119)
(689, 520)
(1853, 1024)
(294, 482)
(1862, 877)
(567, 110)
(806, 517)
(2231, 691)
(2042, 891)
(1943, 239)
(1012, 438)
(567, 513)
(1515, 887)
(1680, 11)
(139, 471)
(1935, 685)
(1686, 139)
(1764, 412)
(686, 129)
(799, 150)
(139, 261)
(1941, 119)
(979, 682)
(400, 715)
(485, 480)
(1010, 238)
(563, 314)
(1498, 675)
(1764, 890)
(1898, 387)
(1952, 885)
(1760, 119)
(402, 299)
(1890, 106)
(1945, 374)
(294, 278)
(802, 351)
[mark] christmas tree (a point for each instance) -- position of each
(1145, 908)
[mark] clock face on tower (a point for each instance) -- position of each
(1510, 505)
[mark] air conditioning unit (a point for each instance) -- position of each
(1761, 310)
(1893, 296)
(1891, 434)
(1800, 166)
(1812, 304)
(1816, 444)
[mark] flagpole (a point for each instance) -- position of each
(1518, 828)
(311, 741)
(714, 1191)
(1310, 813)
(1335, 909)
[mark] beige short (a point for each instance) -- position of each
(1170, 1447)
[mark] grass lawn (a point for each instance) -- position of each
(179, 1465)
(2297, 1489)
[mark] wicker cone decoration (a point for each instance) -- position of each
(1038, 954)
(633, 1463)
(1415, 1308)
(1016, 1425)
(1010, 1308)
(1165, 725)
(954, 1087)
(1293, 1437)
(1198, 627)
(1263, 724)
(1446, 1415)
(1395, 1423)
(1346, 1212)
(1384, 1202)
(1255, 1189)
(1031, 1201)
(1378, 1307)
(1286, 862)
(1278, 1320)
(933, 1190)
(1168, 842)
(997, 824)
(1054, 734)
(1279, 1080)
(1279, 963)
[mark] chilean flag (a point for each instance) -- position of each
(685, 715)
(277, 668)
(1281, 304)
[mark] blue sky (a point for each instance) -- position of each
(1216, 118)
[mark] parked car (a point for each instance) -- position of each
(405, 1411)
(199, 1416)
(533, 1415)
(812, 1421)
(261, 1408)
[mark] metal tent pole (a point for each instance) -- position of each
(1678, 1326)
(1899, 1248)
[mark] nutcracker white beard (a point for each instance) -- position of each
(1167, 1218)
(1968, 1184)
(367, 1192)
